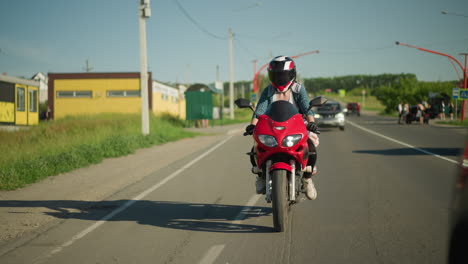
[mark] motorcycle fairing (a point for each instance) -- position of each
(293, 126)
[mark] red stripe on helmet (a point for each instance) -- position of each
(281, 88)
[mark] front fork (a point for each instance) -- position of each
(268, 181)
(291, 181)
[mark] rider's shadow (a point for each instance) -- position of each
(166, 214)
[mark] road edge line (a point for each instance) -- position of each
(401, 143)
(133, 200)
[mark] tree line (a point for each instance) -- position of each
(389, 89)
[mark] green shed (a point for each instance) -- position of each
(199, 102)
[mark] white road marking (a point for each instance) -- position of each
(212, 254)
(402, 143)
(252, 201)
(134, 200)
(216, 250)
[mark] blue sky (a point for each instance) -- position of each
(353, 36)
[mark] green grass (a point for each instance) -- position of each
(60, 146)
(454, 122)
(240, 116)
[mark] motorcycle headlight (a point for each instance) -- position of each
(267, 140)
(291, 140)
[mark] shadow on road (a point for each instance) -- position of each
(324, 129)
(176, 215)
(412, 152)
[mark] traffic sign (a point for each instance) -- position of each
(463, 94)
(455, 93)
(254, 97)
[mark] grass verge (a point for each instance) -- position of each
(454, 122)
(74, 142)
(240, 116)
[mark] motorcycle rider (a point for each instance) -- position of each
(282, 75)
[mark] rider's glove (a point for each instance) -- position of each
(312, 127)
(249, 130)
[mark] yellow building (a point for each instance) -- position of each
(168, 99)
(93, 93)
(19, 101)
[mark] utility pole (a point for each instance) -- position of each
(88, 67)
(144, 11)
(231, 77)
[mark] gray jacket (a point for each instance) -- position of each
(299, 95)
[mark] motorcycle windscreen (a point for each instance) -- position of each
(281, 111)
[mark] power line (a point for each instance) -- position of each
(356, 51)
(433, 43)
(245, 48)
(196, 23)
(270, 38)
(248, 7)
(453, 14)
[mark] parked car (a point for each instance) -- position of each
(330, 114)
(353, 109)
(459, 214)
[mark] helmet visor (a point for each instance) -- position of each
(280, 78)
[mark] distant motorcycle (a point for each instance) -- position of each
(281, 153)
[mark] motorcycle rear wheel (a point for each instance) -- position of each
(279, 196)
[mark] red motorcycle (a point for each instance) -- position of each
(281, 153)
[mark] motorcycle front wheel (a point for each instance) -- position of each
(279, 197)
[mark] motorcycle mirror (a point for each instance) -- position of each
(317, 101)
(243, 103)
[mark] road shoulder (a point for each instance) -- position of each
(29, 211)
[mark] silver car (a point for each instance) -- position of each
(330, 114)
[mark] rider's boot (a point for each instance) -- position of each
(260, 185)
(309, 188)
(314, 170)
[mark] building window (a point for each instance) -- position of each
(20, 97)
(165, 97)
(127, 93)
(32, 101)
(74, 94)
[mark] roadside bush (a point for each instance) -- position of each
(74, 142)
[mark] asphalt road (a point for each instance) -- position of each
(383, 197)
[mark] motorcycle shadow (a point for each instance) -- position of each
(166, 214)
